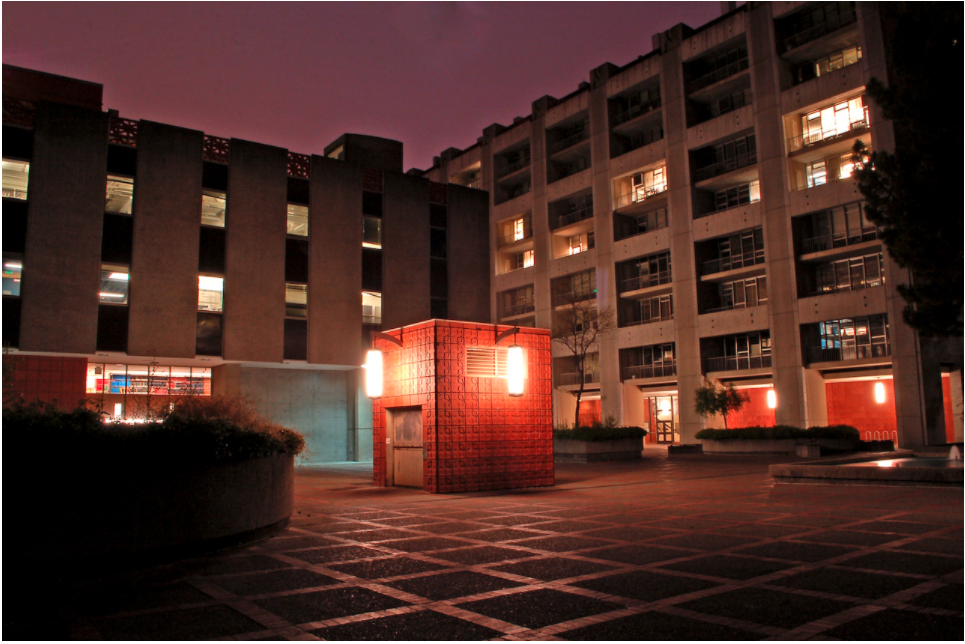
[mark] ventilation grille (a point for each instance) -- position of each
(486, 362)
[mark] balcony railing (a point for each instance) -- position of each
(563, 298)
(839, 240)
(513, 237)
(817, 31)
(510, 168)
(718, 74)
(737, 363)
(639, 195)
(573, 378)
(736, 261)
(637, 319)
(518, 309)
(814, 137)
(725, 166)
(734, 306)
(634, 112)
(570, 141)
(645, 281)
(572, 217)
(662, 370)
(837, 354)
(839, 288)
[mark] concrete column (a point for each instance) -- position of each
(405, 250)
(164, 259)
(957, 403)
(255, 222)
(469, 260)
(68, 189)
(542, 238)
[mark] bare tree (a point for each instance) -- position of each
(577, 326)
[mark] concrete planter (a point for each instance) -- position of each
(781, 446)
(131, 510)
(624, 449)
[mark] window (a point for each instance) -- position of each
(647, 184)
(837, 60)
(120, 195)
(213, 206)
(371, 308)
(15, 176)
(297, 220)
(296, 300)
(737, 196)
(580, 243)
(114, 284)
(817, 173)
(521, 260)
(371, 232)
(135, 379)
(12, 269)
(849, 274)
(835, 120)
(519, 229)
(743, 293)
(852, 339)
(210, 293)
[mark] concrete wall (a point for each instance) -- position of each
(68, 187)
(405, 250)
(469, 276)
(164, 260)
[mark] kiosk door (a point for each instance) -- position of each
(407, 456)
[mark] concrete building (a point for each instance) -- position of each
(143, 261)
(703, 192)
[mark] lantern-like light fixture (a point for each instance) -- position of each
(664, 405)
(373, 373)
(514, 370)
(879, 392)
(771, 399)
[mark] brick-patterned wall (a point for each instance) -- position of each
(56, 380)
(477, 437)
(853, 403)
(755, 413)
(590, 412)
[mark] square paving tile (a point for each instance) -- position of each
(244, 563)
(274, 581)
(450, 585)
(891, 624)
(692, 523)
(424, 544)
(499, 534)
(654, 625)
(479, 555)
(539, 608)
(794, 551)
(514, 520)
(127, 598)
(895, 561)
(898, 527)
(449, 527)
(328, 528)
(553, 568)
(936, 545)
(561, 543)
(337, 553)
(281, 544)
(850, 537)
(811, 521)
(469, 514)
(645, 585)
(703, 541)
(367, 536)
(637, 555)
(192, 624)
(630, 533)
(848, 582)
(763, 530)
(950, 597)
(568, 526)
(770, 608)
(328, 604)
(380, 568)
(426, 625)
(407, 521)
(729, 567)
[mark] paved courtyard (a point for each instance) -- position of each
(682, 547)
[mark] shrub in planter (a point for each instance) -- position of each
(781, 432)
(608, 430)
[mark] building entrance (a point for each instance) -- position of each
(404, 427)
(664, 418)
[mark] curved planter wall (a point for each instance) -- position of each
(782, 446)
(130, 510)
(589, 451)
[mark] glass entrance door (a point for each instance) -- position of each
(664, 419)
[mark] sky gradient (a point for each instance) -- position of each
(298, 75)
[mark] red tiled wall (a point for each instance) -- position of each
(755, 413)
(947, 399)
(853, 403)
(590, 412)
(61, 381)
(477, 437)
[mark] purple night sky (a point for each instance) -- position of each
(298, 75)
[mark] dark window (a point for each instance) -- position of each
(299, 191)
(296, 340)
(18, 143)
(116, 239)
(438, 215)
(437, 243)
(439, 308)
(121, 160)
(438, 278)
(214, 176)
(212, 250)
(210, 330)
(11, 321)
(296, 260)
(372, 203)
(14, 225)
(112, 328)
(371, 269)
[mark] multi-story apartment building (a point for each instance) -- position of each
(145, 261)
(704, 193)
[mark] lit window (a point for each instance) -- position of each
(817, 173)
(371, 308)
(522, 260)
(210, 293)
(120, 195)
(519, 229)
(15, 175)
(836, 120)
(114, 284)
(213, 206)
(296, 300)
(371, 232)
(847, 166)
(12, 268)
(297, 220)
(647, 184)
(580, 243)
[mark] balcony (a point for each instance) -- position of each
(633, 112)
(737, 363)
(730, 263)
(839, 354)
(569, 141)
(725, 166)
(518, 309)
(515, 237)
(645, 281)
(638, 195)
(639, 372)
(718, 74)
(572, 379)
(819, 30)
(859, 285)
(510, 168)
(733, 306)
(838, 240)
(636, 318)
(564, 298)
(573, 217)
(819, 136)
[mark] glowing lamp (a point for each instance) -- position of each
(664, 406)
(373, 373)
(514, 370)
(771, 399)
(879, 392)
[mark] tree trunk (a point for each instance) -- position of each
(579, 397)
(724, 414)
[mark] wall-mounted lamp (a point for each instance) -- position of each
(771, 399)
(373, 373)
(879, 392)
(664, 406)
(515, 367)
